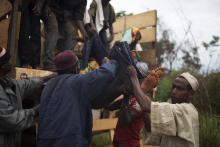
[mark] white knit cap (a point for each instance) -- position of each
(191, 79)
(143, 68)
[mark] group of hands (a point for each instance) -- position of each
(151, 80)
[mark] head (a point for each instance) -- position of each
(136, 37)
(5, 65)
(66, 62)
(184, 86)
(136, 34)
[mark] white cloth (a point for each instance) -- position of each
(86, 18)
(99, 16)
(143, 68)
(191, 79)
(138, 47)
(177, 123)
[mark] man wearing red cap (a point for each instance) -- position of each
(13, 118)
(65, 113)
(176, 123)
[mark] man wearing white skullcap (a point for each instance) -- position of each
(177, 124)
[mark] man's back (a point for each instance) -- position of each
(65, 113)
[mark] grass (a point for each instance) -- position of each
(101, 140)
(209, 131)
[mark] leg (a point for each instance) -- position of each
(24, 35)
(67, 42)
(98, 49)
(104, 39)
(35, 40)
(51, 37)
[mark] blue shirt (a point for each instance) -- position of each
(66, 104)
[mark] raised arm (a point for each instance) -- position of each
(143, 100)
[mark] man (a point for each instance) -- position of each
(103, 16)
(14, 119)
(59, 17)
(65, 113)
(177, 122)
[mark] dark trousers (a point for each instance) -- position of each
(59, 33)
(94, 48)
(104, 39)
(29, 46)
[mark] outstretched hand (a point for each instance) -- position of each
(152, 79)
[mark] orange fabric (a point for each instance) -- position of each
(152, 79)
(134, 32)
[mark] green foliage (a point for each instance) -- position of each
(100, 140)
(213, 86)
(122, 13)
(209, 131)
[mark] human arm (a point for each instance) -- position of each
(143, 100)
(14, 119)
(26, 87)
(96, 81)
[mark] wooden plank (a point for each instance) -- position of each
(148, 56)
(148, 35)
(104, 124)
(5, 7)
(117, 37)
(31, 72)
(141, 20)
(4, 32)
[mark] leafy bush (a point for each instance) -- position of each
(209, 131)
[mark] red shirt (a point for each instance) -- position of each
(130, 134)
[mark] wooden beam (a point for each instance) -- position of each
(104, 124)
(117, 37)
(148, 35)
(141, 20)
(31, 72)
(148, 56)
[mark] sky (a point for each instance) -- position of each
(178, 15)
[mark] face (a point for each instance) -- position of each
(180, 91)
